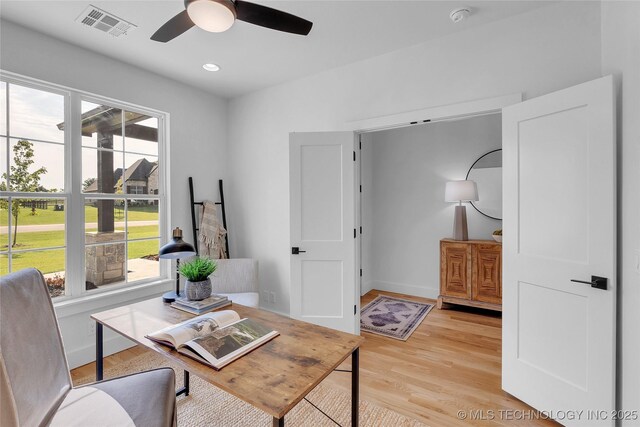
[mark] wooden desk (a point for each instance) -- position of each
(273, 378)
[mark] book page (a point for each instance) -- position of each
(224, 345)
(177, 335)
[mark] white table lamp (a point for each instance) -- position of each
(461, 191)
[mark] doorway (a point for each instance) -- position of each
(324, 196)
(403, 213)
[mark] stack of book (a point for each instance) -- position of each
(198, 307)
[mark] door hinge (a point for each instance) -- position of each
(360, 272)
(354, 233)
(361, 188)
(354, 156)
(360, 229)
(355, 310)
(360, 143)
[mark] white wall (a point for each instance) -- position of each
(539, 52)
(198, 135)
(621, 57)
(407, 213)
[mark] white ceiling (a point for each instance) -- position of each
(253, 57)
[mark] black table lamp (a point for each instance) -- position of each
(176, 249)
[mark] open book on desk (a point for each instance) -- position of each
(215, 339)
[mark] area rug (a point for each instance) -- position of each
(393, 317)
(207, 405)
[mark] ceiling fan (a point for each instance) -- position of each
(219, 15)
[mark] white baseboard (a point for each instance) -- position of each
(366, 287)
(87, 354)
(403, 288)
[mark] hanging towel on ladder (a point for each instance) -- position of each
(211, 234)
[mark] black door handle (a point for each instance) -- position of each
(596, 282)
(296, 250)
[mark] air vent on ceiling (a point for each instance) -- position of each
(104, 21)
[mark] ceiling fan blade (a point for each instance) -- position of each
(271, 18)
(173, 28)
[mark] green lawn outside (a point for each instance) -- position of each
(49, 216)
(45, 261)
(53, 260)
(49, 239)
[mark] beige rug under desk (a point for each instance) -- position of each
(273, 378)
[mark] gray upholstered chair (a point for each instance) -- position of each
(35, 385)
(237, 278)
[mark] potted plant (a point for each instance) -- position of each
(197, 271)
(497, 235)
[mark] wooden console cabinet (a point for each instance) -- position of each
(471, 273)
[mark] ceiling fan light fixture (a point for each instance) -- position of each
(215, 16)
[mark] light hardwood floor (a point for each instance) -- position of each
(450, 363)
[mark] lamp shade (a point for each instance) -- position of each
(461, 191)
(176, 248)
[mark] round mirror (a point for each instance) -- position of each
(487, 173)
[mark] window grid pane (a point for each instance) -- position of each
(35, 113)
(101, 171)
(105, 264)
(142, 260)
(36, 166)
(143, 219)
(104, 216)
(40, 223)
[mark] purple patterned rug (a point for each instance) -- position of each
(393, 317)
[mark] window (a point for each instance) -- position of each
(91, 231)
(32, 183)
(119, 160)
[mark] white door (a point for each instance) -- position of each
(323, 240)
(560, 225)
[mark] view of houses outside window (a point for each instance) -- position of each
(120, 190)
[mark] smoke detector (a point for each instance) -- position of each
(106, 22)
(460, 14)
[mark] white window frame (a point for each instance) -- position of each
(75, 198)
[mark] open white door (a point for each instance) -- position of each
(560, 224)
(323, 243)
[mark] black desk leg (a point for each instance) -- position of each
(355, 386)
(278, 422)
(184, 390)
(99, 351)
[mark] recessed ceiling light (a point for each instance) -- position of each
(211, 67)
